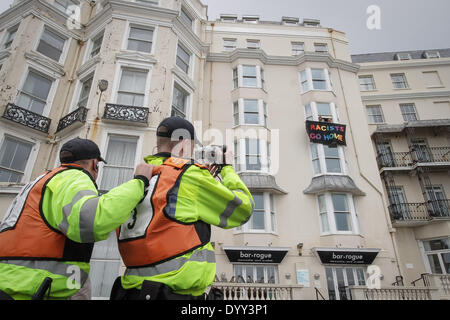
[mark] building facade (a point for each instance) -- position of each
(111, 70)
(406, 96)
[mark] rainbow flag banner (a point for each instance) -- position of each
(326, 132)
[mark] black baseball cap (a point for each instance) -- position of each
(176, 128)
(79, 149)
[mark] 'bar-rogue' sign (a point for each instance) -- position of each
(326, 132)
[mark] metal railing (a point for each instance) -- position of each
(76, 115)
(318, 293)
(132, 114)
(417, 155)
(394, 159)
(256, 291)
(27, 118)
(420, 211)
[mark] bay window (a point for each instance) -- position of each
(315, 79)
(251, 155)
(327, 160)
(263, 218)
(250, 112)
(248, 76)
(337, 214)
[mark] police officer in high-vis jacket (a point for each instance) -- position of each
(165, 244)
(47, 234)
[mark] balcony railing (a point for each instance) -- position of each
(395, 159)
(419, 155)
(79, 115)
(117, 112)
(256, 291)
(27, 118)
(393, 293)
(420, 211)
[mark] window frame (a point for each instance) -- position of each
(191, 66)
(253, 44)
(370, 116)
(51, 93)
(309, 81)
(425, 253)
(140, 27)
(270, 221)
(254, 266)
(108, 132)
(6, 38)
(7, 186)
(296, 51)
(229, 44)
(259, 78)
(406, 114)
(65, 46)
(331, 218)
(261, 111)
(368, 86)
(404, 81)
(241, 155)
(323, 45)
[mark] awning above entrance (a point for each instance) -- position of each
(363, 256)
(256, 254)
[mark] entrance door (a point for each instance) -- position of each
(340, 278)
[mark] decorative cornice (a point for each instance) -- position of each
(45, 62)
(366, 66)
(407, 95)
(242, 53)
(139, 9)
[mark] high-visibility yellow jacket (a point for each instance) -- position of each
(50, 227)
(165, 218)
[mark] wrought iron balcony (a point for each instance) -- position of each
(431, 154)
(78, 115)
(423, 155)
(117, 112)
(394, 159)
(422, 211)
(27, 118)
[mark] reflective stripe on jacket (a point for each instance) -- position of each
(195, 197)
(59, 230)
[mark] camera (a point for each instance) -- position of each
(211, 155)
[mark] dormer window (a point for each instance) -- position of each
(228, 17)
(431, 55)
(250, 19)
(402, 56)
(311, 23)
(289, 21)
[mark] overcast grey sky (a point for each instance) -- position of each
(405, 24)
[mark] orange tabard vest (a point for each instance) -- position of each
(164, 237)
(29, 235)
